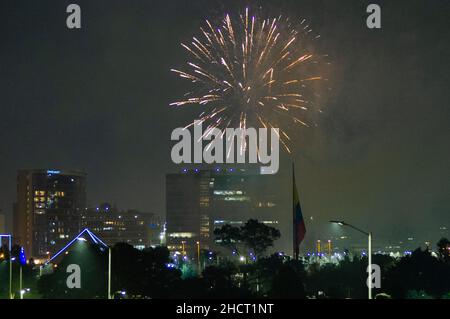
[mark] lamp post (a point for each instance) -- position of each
(109, 273)
(20, 282)
(183, 247)
(369, 250)
(23, 292)
(198, 256)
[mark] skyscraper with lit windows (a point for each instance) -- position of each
(141, 230)
(47, 213)
(199, 201)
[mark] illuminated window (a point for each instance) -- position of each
(182, 235)
(204, 201)
(270, 222)
(227, 192)
(237, 198)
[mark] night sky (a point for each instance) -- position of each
(96, 100)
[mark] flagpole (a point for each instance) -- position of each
(294, 228)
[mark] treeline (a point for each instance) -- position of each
(243, 271)
(150, 274)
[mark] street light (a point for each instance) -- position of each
(21, 283)
(198, 256)
(369, 250)
(23, 291)
(183, 247)
(109, 273)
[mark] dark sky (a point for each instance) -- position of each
(96, 99)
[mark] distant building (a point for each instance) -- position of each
(48, 209)
(443, 231)
(141, 230)
(198, 201)
(2, 223)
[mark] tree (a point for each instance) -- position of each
(287, 283)
(414, 294)
(347, 279)
(92, 263)
(143, 273)
(253, 235)
(264, 271)
(258, 236)
(444, 249)
(221, 283)
(228, 236)
(139, 273)
(209, 257)
(419, 271)
(277, 277)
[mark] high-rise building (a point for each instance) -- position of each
(2, 223)
(141, 230)
(47, 213)
(198, 201)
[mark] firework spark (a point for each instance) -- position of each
(251, 71)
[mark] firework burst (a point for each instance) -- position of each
(251, 71)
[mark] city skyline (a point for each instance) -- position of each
(378, 157)
(232, 195)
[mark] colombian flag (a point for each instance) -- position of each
(299, 222)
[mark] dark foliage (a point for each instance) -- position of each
(145, 274)
(253, 235)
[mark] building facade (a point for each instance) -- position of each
(47, 213)
(2, 223)
(141, 230)
(199, 201)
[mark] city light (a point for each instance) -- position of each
(340, 223)
(118, 182)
